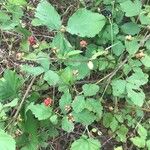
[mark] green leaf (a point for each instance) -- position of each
(47, 15)
(122, 132)
(131, 8)
(94, 106)
(13, 103)
(18, 2)
(85, 143)
(6, 141)
(132, 46)
(67, 125)
(148, 144)
(51, 77)
(9, 85)
(107, 119)
(43, 60)
(118, 87)
(146, 61)
(54, 119)
(40, 111)
(114, 124)
(130, 28)
(90, 89)
(138, 141)
(78, 104)
(142, 131)
(65, 101)
(74, 52)
(85, 117)
(85, 23)
(67, 76)
(61, 45)
(138, 78)
(118, 49)
(35, 71)
(145, 19)
(137, 97)
(118, 148)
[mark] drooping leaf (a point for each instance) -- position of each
(47, 15)
(86, 144)
(85, 23)
(6, 141)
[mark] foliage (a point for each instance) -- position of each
(91, 61)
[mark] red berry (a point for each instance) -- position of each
(32, 40)
(48, 102)
(83, 43)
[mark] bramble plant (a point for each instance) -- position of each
(75, 75)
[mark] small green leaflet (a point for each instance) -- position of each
(146, 61)
(85, 117)
(78, 104)
(6, 141)
(40, 111)
(61, 44)
(35, 71)
(132, 46)
(51, 77)
(47, 15)
(95, 106)
(118, 87)
(122, 132)
(67, 125)
(130, 28)
(148, 144)
(65, 101)
(18, 2)
(54, 119)
(131, 8)
(85, 143)
(85, 23)
(142, 131)
(138, 141)
(90, 89)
